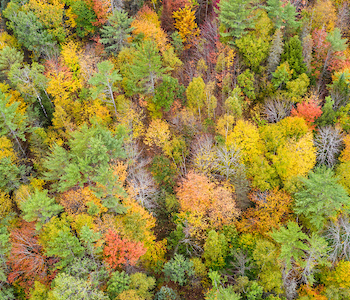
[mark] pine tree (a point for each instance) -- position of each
(146, 68)
(104, 82)
(321, 197)
(11, 121)
(236, 16)
(116, 33)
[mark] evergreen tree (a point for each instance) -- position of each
(12, 122)
(115, 35)
(293, 54)
(282, 15)
(146, 68)
(40, 208)
(236, 16)
(321, 197)
(104, 82)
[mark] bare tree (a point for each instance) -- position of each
(203, 153)
(144, 188)
(328, 142)
(338, 233)
(227, 161)
(277, 109)
(139, 178)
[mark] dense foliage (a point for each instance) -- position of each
(174, 149)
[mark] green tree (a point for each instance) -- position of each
(104, 82)
(179, 269)
(30, 81)
(8, 57)
(236, 16)
(90, 152)
(328, 113)
(66, 287)
(40, 208)
(282, 15)
(246, 81)
(58, 240)
(118, 283)
(195, 94)
(142, 284)
(293, 54)
(85, 17)
(292, 244)
(146, 68)
(215, 250)
(28, 29)
(166, 92)
(12, 122)
(115, 35)
(282, 75)
(321, 197)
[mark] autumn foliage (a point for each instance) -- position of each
(309, 110)
(119, 252)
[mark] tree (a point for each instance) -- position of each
(245, 136)
(40, 208)
(186, 25)
(104, 82)
(59, 241)
(30, 81)
(292, 245)
(26, 258)
(282, 75)
(246, 82)
(328, 142)
(236, 16)
(146, 68)
(66, 287)
(272, 208)
(296, 157)
(83, 17)
(195, 94)
(118, 282)
(120, 252)
(293, 54)
(321, 197)
(29, 30)
(12, 121)
(277, 109)
(147, 28)
(8, 57)
(91, 151)
(166, 92)
(178, 269)
(309, 110)
(115, 35)
(142, 284)
(276, 50)
(337, 232)
(282, 15)
(227, 161)
(215, 250)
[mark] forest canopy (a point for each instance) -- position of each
(174, 149)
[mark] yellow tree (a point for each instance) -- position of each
(186, 25)
(147, 23)
(295, 158)
(246, 137)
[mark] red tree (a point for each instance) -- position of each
(309, 111)
(119, 252)
(26, 261)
